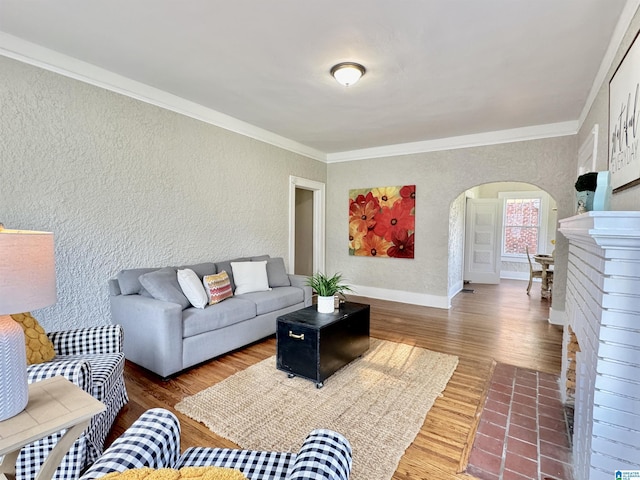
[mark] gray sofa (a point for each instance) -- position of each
(166, 336)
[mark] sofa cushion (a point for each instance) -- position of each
(226, 266)
(201, 269)
(129, 280)
(276, 299)
(192, 288)
(217, 287)
(276, 273)
(213, 317)
(163, 285)
(250, 276)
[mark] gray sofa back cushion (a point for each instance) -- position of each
(163, 285)
(129, 280)
(276, 273)
(201, 269)
(226, 266)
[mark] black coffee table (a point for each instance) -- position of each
(315, 345)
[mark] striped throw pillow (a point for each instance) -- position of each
(218, 287)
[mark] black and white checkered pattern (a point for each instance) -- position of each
(253, 464)
(154, 441)
(91, 358)
(93, 340)
(325, 454)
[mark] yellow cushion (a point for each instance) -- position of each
(39, 347)
(190, 473)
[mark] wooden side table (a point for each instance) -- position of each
(54, 404)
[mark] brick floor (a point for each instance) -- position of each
(522, 432)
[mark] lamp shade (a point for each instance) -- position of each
(27, 282)
(347, 73)
(27, 271)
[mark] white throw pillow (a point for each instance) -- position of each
(192, 288)
(250, 276)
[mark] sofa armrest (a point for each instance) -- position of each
(152, 441)
(76, 370)
(325, 454)
(152, 332)
(92, 340)
(300, 281)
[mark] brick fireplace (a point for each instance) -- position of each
(601, 347)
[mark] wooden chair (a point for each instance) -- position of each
(533, 273)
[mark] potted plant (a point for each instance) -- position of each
(327, 288)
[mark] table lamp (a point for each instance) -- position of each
(27, 282)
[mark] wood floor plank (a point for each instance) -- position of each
(495, 323)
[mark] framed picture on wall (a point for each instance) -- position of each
(624, 131)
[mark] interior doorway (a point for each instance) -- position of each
(304, 233)
(483, 237)
(306, 226)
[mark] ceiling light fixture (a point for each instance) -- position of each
(347, 73)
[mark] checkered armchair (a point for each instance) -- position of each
(92, 359)
(154, 441)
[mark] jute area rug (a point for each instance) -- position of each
(378, 402)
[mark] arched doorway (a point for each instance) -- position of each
(482, 247)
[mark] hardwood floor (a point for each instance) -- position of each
(495, 323)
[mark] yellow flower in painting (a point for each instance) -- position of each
(373, 246)
(356, 234)
(386, 196)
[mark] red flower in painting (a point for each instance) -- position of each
(403, 245)
(408, 194)
(362, 211)
(394, 219)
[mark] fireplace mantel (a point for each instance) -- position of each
(603, 311)
(606, 229)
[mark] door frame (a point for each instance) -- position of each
(468, 273)
(318, 189)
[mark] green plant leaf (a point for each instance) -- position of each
(326, 286)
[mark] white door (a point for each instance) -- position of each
(482, 254)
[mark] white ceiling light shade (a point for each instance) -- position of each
(347, 73)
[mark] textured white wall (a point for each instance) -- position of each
(599, 114)
(125, 184)
(440, 177)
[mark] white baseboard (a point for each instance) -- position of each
(557, 317)
(455, 289)
(412, 298)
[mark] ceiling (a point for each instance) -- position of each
(435, 68)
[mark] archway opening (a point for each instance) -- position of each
(491, 245)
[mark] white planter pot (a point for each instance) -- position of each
(325, 304)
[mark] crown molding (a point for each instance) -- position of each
(624, 22)
(465, 141)
(30, 53)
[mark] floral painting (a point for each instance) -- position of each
(382, 221)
